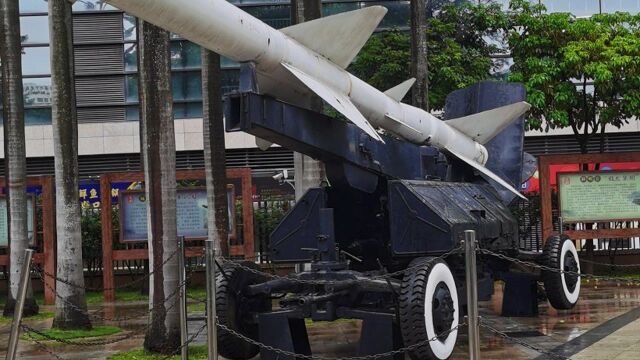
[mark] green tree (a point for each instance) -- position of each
(460, 41)
(579, 73)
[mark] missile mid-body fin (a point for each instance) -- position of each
(399, 91)
(484, 126)
(339, 37)
(338, 101)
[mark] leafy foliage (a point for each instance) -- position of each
(583, 73)
(460, 38)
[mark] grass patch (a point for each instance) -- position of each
(96, 331)
(310, 323)
(40, 316)
(94, 297)
(197, 352)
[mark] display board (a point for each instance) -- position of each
(4, 236)
(191, 212)
(599, 196)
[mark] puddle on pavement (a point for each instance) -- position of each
(550, 329)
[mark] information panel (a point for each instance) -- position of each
(599, 196)
(191, 214)
(4, 236)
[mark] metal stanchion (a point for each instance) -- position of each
(184, 335)
(25, 276)
(212, 333)
(560, 225)
(472, 294)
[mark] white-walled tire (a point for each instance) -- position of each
(429, 308)
(563, 290)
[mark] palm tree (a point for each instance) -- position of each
(214, 151)
(14, 151)
(159, 158)
(419, 53)
(308, 171)
(71, 304)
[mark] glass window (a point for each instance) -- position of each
(185, 55)
(133, 113)
(397, 14)
(130, 26)
(630, 6)
(227, 63)
(187, 110)
(37, 116)
(131, 88)
(130, 57)
(31, 6)
(92, 5)
(37, 91)
(336, 8)
(277, 16)
(34, 29)
(576, 7)
(186, 85)
(35, 61)
(230, 80)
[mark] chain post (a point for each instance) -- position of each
(560, 225)
(212, 330)
(183, 299)
(472, 294)
(25, 275)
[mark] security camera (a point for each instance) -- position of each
(283, 175)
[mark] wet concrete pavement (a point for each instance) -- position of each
(548, 331)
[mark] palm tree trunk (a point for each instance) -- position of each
(71, 304)
(308, 172)
(14, 152)
(214, 151)
(159, 158)
(419, 53)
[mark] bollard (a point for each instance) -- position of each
(184, 350)
(25, 276)
(212, 331)
(472, 294)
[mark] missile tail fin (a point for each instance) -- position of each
(485, 125)
(338, 101)
(486, 172)
(399, 91)
(339, 37)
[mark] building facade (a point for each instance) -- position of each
(107, 87)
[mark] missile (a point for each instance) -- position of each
(308, 60)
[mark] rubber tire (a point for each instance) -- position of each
(412, 309)
(228, 288)
(553, 281)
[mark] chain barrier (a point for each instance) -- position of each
(48, 337)
(314, 357)
(40, 344)
(557, 270)
(385, 276)
(126, 285)
(506, 336)
(610, 265)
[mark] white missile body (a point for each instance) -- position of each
(296, 63)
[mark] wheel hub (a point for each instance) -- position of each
(570, 265)
(442, 310)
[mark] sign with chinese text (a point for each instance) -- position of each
(89, 193)
(191, 209)
(4, 235)
(599, 196)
